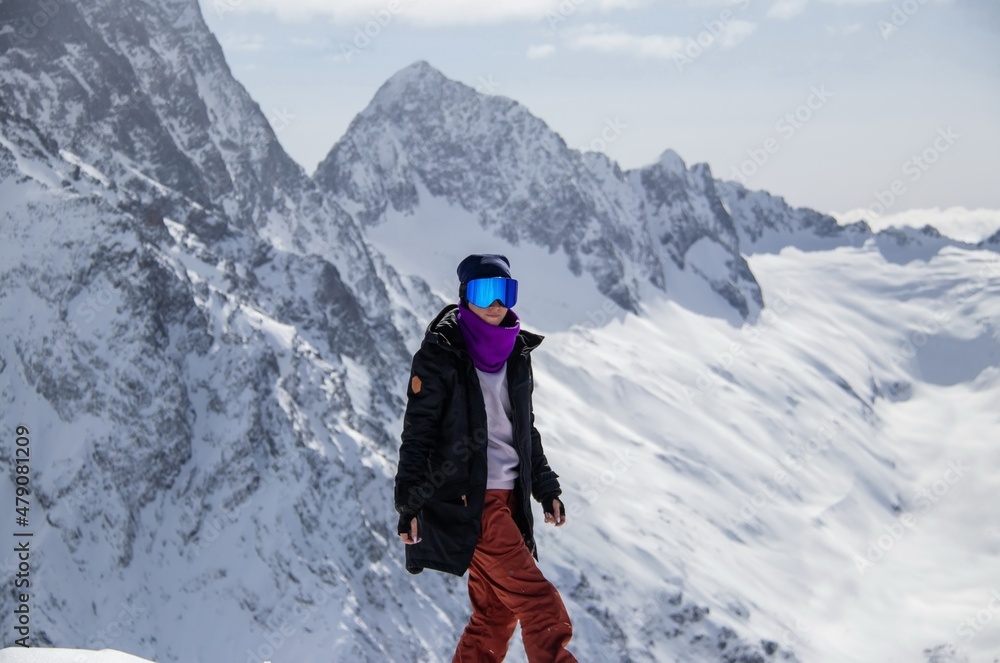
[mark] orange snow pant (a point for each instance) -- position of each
(505, 586)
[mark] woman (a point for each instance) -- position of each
(469, 462)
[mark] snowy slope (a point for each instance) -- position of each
(754, 468)
(747, 469)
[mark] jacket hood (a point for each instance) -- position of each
(444, 331)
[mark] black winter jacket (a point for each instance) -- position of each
(442, 473)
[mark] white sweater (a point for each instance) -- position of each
(501, 457)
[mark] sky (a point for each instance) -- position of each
(838, 105)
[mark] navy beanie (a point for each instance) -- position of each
(483, 266)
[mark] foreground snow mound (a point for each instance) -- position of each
(35, 655)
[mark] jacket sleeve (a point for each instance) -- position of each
(426, 398)
(544, 482)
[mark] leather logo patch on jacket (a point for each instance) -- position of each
(415, 384)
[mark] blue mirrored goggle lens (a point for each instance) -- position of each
(483, 292)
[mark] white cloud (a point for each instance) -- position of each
(735, 32)
(242, 42)
(423, 13)
(310, 43)
(541, 51)
(880, 2)
(843, 30)
(610, 39)
(473, 12)
(607, 39)
(434, 13)
(707, 4)
(606, 5)
(786, 9)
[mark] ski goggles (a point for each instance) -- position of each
(483, 292)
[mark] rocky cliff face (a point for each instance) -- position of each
(143, 94)
(766, 223)
(200, 341)
(146, 87)
(190, 387)
(682, 207)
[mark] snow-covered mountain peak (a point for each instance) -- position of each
(421, 97)
(426, 137)
(671, 162)
(417, 78)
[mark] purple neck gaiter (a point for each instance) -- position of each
(488, 346)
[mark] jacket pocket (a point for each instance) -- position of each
(447, 525)
(454, 493)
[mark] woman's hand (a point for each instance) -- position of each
(557, 517)
(411, 537)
